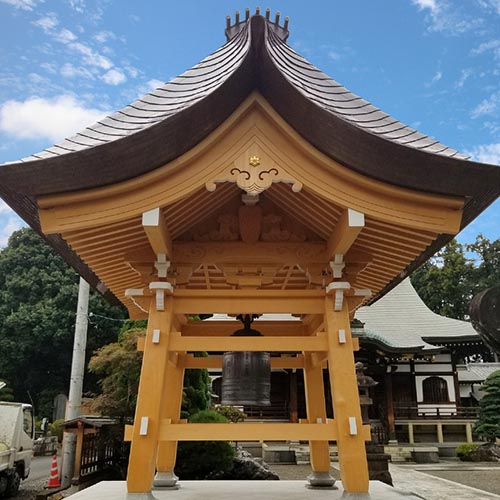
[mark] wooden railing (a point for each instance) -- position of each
(274, 411)
(416, 413)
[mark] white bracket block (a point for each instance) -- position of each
(319, 420)
(160, 288)
(338, 287)
(362, 292)
(156, 336)
(143, 430)
(162, 265)
(342, 338)
(355, 219)
(353, 426)
(337, 265)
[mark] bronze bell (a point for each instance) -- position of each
(246, 376)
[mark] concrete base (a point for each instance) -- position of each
(242, 490)
(321, 480)
(165, 480)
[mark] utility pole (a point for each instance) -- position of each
(76, 381)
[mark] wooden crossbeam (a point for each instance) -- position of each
(345, 232)
(249, 301)
(283, 362)
(247, 432)
(157, 232)
(256, 344)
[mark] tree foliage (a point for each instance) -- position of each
(488, 424)
(38, 296)
(118, 366)
(449, 280)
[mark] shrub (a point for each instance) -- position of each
(465, 451)
(232, 413)
(198, 459)
(56, 429)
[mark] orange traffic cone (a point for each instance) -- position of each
(54, 474)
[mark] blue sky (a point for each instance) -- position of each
(433, 64)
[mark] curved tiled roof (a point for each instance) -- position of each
(168, 122)
(214, 70)
(402, 320)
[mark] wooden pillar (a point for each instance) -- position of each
(316, 412)
(294, 417)
(78, 451)
(439, 428)
(411, 436)
(346, 407)
(144, 447)
(170, 408)
(468, 432)
(389, 403)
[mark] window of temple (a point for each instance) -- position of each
(435, 390)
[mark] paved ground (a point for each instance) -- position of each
(37, 480)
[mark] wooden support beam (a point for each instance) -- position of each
(283, 362)
(248, 301)
(227, 328)
(345, 232)
(247, 431)
(157, 232)
(256, 344)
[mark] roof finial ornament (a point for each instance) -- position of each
(232, 29)
(287, 20)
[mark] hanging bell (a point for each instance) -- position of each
(246, 376)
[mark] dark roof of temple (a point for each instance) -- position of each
(171, 120)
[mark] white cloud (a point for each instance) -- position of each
(483, 47)
(53, 119)
(149, 86)
(114, 77)
(487, 106)
(437, 76)
(466, 74)
(90, 57)
(70, 71)
(104, 36)
(47, 23)
(21, 4)
(49, 67)
(491, 4)
(446, 16)
(77, 5)
(65, 36)
(486, 153)
(425, 4)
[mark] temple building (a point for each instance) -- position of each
(251, 184)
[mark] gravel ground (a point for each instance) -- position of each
(29, 489)
(487, 480)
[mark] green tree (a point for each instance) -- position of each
(448, 281)
(488, 424)
(38, 296)
(118, 366)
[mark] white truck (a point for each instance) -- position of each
(16, 442)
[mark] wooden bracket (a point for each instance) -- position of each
(157, 232)
(345, 232)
